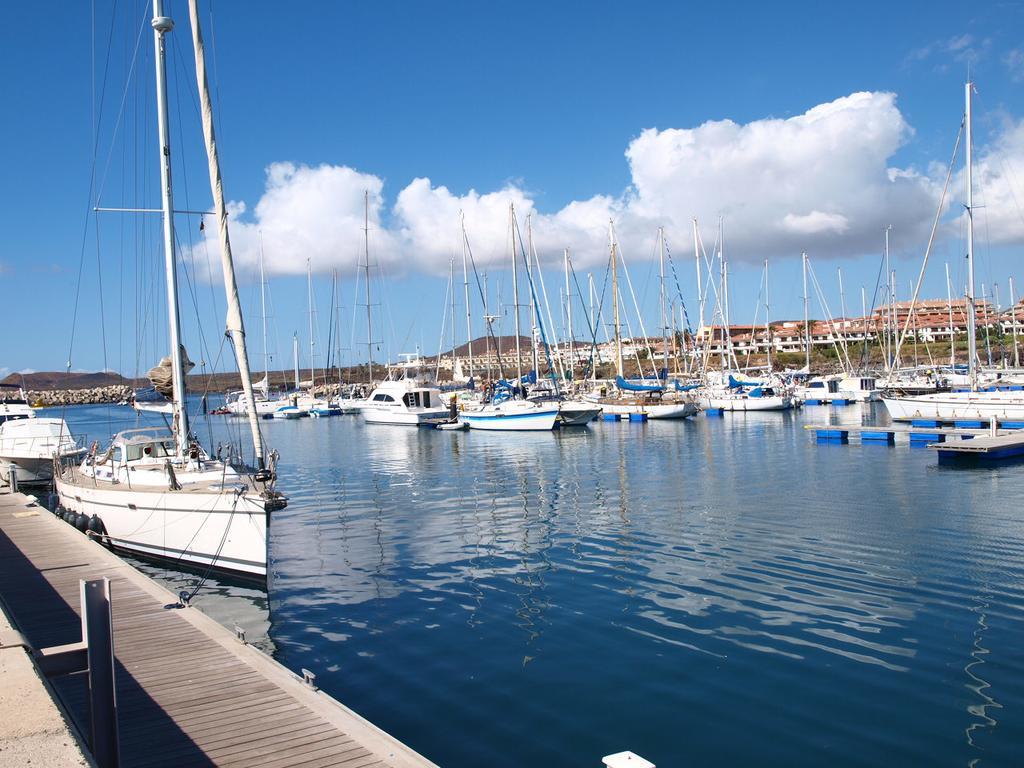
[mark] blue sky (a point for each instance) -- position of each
(537, 103)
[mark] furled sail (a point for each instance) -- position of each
(630, 386)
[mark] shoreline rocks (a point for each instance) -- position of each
(114, 393)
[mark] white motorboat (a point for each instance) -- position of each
(511, 415)
(28, 446)
(404, 403)
(577, 413)
(154, 492)
(14, 408)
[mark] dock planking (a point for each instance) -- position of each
(189, 693)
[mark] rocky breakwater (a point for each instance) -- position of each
(114, 393)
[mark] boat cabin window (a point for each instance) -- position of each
(426, 399)
(382, 398)
(867, 384)
(155, 450)
(833, 385)
(816, 385)
(411, 399)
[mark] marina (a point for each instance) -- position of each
(367, 414)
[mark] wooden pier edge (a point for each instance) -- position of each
(389, 750)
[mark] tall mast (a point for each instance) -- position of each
(366, 266)
(767, 317)
(593, 325)
(235, 325)
(972, 341)
(515, 288)
(295, 356)
(664, 317)
(568, 312)
(263, 317)
(949, 306)
(161, 26)
(451, 288)
(309, 288)
(1013, 322)
(807, 320)
(615, 300)
(889, 322)
(700, 285)
(723, 285)
(533, 299)
(842, 307)
(465, 290)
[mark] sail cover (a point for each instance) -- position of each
(630, 386)
(160, 375)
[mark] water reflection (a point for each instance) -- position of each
(655, 586)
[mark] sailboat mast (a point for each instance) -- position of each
(807, 321)
(1013, 321)
(664, 317)
(263, 316)
(615, 300)
(949, 306)
(465, 291)
(568, 313)
(767, 318)
(161, 26)
(515, 289)
(366, 266)
(309, 290)
(295, 356)
(235, 324)
(700, 285)
(533, 302)
(972, 341)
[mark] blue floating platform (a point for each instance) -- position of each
(969, 424)
(611, 417)
(841, 401)
(927, 437)
(889, 438)
(925, 423)
(812, 402)
(1012, 424)
(713, 411)
(834, 435)
(638, 417)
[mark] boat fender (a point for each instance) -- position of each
(96, 525)
(81, 522)
(68, 516)
(53, 503)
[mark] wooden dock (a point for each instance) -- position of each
(982, 449)
(189, 692)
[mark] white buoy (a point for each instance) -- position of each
(626, 760)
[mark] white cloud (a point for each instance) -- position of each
(1014, 61)
(999, 187)
(816, 222)
(820, 181)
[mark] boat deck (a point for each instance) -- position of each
(189, 692)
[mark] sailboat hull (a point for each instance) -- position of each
(951, 406)
(651, 411)
(510, 417)
(222, 531)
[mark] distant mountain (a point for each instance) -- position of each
(47, 380)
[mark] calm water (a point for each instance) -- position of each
(716, 592)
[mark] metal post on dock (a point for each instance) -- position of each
(98, 635)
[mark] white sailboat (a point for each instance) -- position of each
(973, 404)
(156, 492)
(631, 398)
(507, 411)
